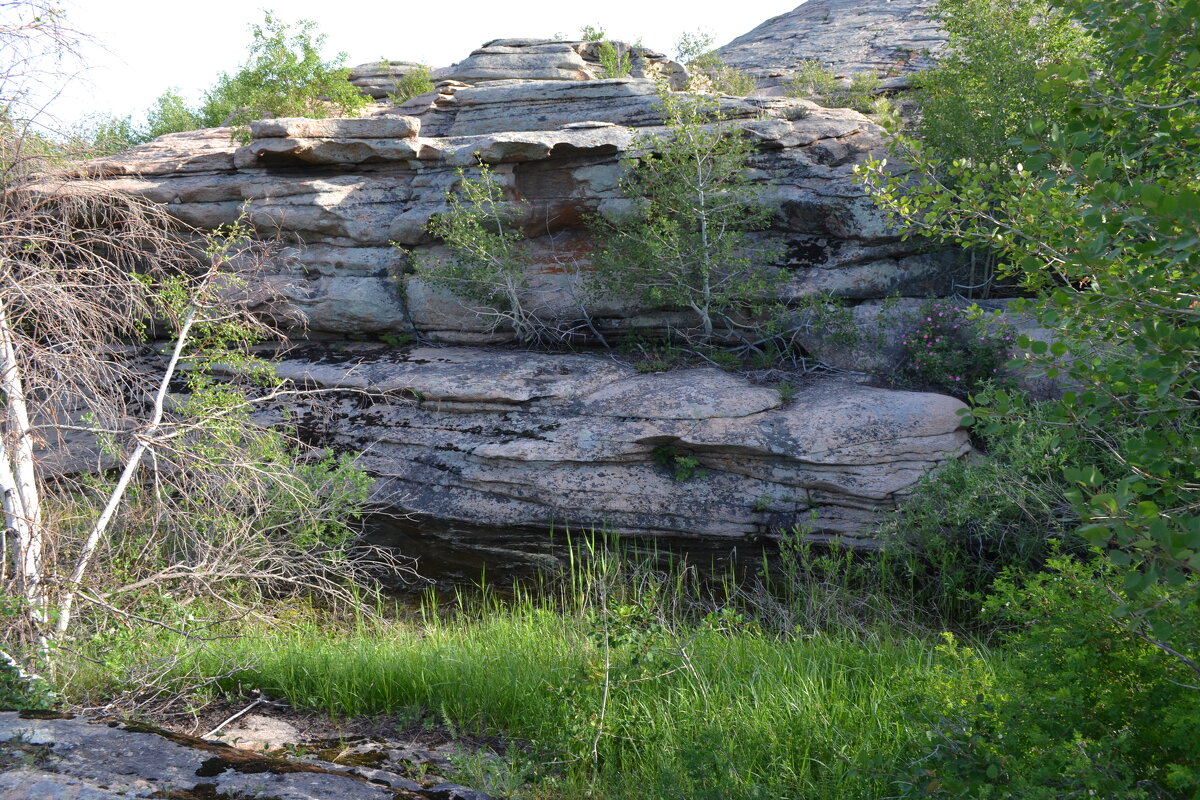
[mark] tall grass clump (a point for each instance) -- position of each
(622, 682)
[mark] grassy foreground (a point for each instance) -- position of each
(618, 691)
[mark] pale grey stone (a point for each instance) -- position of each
(891, 39)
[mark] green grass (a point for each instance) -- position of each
(627, 684)
(745, 715)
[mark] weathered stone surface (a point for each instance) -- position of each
(502, 438)
(891, 39)
(380, 78)
(84, 759)
(259, 732)
(208, 150)
(553, 60)
(380, 127)
(341, 201)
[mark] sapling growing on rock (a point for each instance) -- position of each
(686, 245)
(486, 267)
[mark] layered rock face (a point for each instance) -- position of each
(500, 438)
(493, 437)
(890, 39)
(352, 198)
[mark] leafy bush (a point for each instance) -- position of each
(170, 114)
(986, 89)
(686, 243)
(709, 72)
(813, 81)
(1091, 705)
(488, 255)
(284, 76)
(962, 526)
(954, 351)
(1099, 218)
(415, 82)
(615, 60)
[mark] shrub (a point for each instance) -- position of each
(487, 263)
(986, 89)
(814, 81)
(709, 72)
(686, 244)
(1091, 706)
(415, 82)
(615, 60)
(964, 525)
(954, 351)
(284, 76)
(103, 135)
(1099, 219)
(170, 114)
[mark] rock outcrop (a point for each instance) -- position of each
(505, 438)
(493, 437)
(891, 39)
(47, 756)
(352, 198)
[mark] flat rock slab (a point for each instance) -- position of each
(59, 757)
(501, 438)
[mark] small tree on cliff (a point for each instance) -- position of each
(284, 76)
(685, 244)
(486, 266)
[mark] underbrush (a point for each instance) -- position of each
(626, 681)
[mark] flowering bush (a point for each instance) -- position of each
(952, 350)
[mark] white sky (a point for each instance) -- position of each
(146, 46)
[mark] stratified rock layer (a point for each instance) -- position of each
(515, 438)
(488, 437)
(890, 38)
(352, 198)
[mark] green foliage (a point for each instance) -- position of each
(685, 245)
(107, 135)
(284, 76)
(954, 351)
(1090, 705)
(170, 114)
(629, 684)
(615, 60)
(987, 87)
(396, 339)
(415, 82)
(814, 81)
(709, 72)
(681, 465)
(592, 33)
(487, 263)
(962, 526)
(19, 689)
(1099, 219)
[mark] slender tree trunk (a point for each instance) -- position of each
(18, 481)
(145, 441)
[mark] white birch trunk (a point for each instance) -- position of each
(144, 443)
(18, 481)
